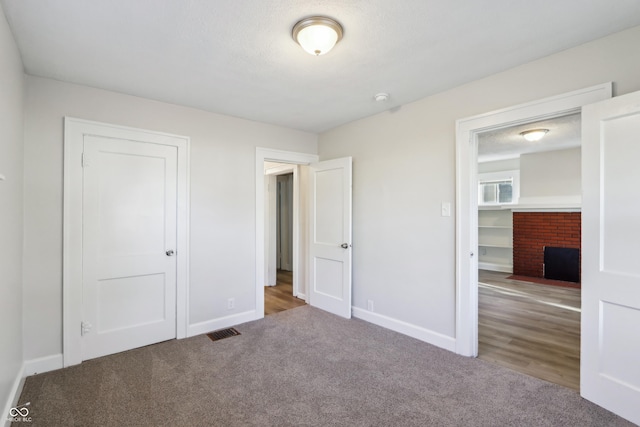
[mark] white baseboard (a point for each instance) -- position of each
(422, 334)
(223, 322)
(14, 395)
(301, 296)
(43, 364)
(29, 367)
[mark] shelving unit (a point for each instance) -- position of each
(495, 239)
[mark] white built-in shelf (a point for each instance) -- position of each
(495, 238)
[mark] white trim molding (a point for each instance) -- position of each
(417, 332)
(74, 133)
(28, 368)
(43, 364)
(14, 395)
(467, 198)
(549, 204)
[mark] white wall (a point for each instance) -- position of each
(552, 175)
(404, 167)
(222, 198)
(499, 165)
(11, 154)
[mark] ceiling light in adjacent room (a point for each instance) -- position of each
(533, 135)
(381, 97)
(317, 35)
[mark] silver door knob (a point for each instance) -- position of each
(170, 252)
(344, 246)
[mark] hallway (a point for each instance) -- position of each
(280, 297)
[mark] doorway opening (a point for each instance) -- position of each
(282, 215)
(286, 162)
(528, 209)
(467, 136)
(322, 238)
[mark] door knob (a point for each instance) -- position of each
(170, 252)
(344, 246)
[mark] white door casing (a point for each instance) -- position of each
(610, 342)
(467, 198)
(121, 151)
(129, 240)
(330, 236)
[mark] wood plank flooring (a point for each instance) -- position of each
(530, 328)
(280, 297)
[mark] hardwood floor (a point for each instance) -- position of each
(280, 297)
(530, 328)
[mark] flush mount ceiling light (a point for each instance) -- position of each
(381, 97)
(317, 35)
(533, 135)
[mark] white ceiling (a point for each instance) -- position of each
(238, 58)
(564, 132)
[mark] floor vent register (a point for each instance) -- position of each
(222, 334)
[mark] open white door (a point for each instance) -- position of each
(330, 239)
(610, 354)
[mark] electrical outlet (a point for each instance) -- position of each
(370, 304)
(231, 303)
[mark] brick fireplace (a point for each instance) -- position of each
(532, 231)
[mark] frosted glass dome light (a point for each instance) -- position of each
(534, 134)
(317, 35)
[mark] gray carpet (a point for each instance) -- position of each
(301, 367)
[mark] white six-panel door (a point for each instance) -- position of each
(330, 239)
(129, 244)
(610, 354)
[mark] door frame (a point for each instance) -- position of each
(74, 131)
(279, 156)
(467, 131)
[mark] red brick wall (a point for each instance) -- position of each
(532, 231)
